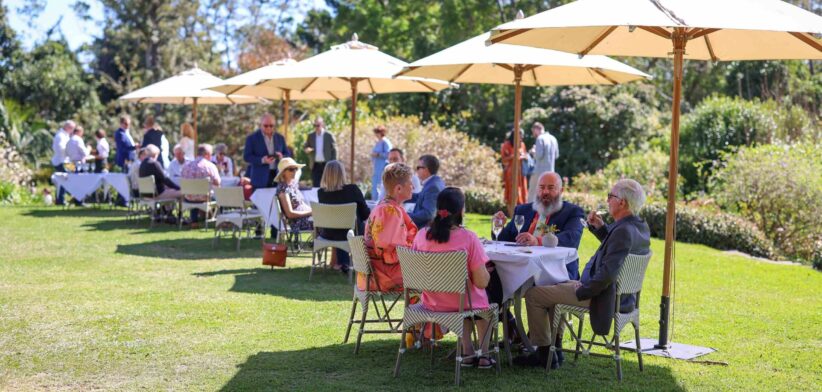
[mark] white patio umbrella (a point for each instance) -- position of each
(472, 61)
(187, 88)
(693, 29)
(249, 84)
(356, 67)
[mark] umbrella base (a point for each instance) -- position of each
(674, 350)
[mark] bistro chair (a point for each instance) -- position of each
(196, 187)
(148, 198)
(629, 281)
(234, 215)
(442, 272)
(361, 264)
(330, 216)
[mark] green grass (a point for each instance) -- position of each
(90, 302)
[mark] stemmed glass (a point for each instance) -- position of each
(519, 221)
(497, 224)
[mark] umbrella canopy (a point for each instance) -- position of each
(472, 61)
(356, 67)
(693, 29)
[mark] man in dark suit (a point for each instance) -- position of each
(124, 144)
(426, 200)
(595, 289)
(263, 150)
(321, 147)
(550, 209)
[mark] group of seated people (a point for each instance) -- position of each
(389, 226)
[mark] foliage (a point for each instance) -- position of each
(483, 201)
(649, 168)
(12, 166)
(27, 135)
(779, 188)
(14, 194)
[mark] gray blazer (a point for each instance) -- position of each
(329, 146)
(627, 235)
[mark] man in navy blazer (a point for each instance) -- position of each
(263, 150)
(432, 185)
(629, 234)
(124, 144)
(548, 205)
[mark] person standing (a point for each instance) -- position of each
(124, 144)
(511, 157)
(545, 151)
(321, 147)
(379, 158)
(264, 148)
(76, 148)
(58, 157)
(102, 147)
(187, 141)
(154, 136)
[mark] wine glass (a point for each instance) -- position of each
(497, 224)
(519, 221)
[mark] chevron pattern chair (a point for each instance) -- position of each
(444, 272)
(330, 216)
(629, 281)
(362, 264)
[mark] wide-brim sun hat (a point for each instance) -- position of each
(285, 163)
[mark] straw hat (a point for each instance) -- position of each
(285, 163)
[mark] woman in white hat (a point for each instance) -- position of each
(294, 207)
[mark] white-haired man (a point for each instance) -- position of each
(595, 289)
(175, 168)
(58, 158)
(165, 188)
(201, 167)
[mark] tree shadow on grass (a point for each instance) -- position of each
(88, 212)
(192, 248)
(335, 368)
(288, 282)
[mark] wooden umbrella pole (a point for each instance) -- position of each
(515, 164)
(286, 123)
(353, 124)
(194, 117)
(679, 39)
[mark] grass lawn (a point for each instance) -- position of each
(89, 302)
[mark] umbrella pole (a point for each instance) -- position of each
(353, 124)
(286, 102)
(680, 39)
(194, 117)
(515, 164)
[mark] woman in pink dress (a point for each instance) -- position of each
(446, 234)
(388, 227)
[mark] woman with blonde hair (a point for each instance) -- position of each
(334, 190)
(187, 141)
(388, 227)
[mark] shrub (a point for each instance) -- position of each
(12, 167)
(649, 168)
(483, 201)
(13, 194)
(780, 189)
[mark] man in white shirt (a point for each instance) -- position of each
(58, 158)
(545, 151)
(101, 158)
(76, 149)
(175, 168)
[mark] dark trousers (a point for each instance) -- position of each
(99, 165)
(61, 193)
(317, 173)
(342, 257)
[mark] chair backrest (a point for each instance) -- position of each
(444, 272)
(229, 197)
(359, 255)
(334, 216)
(195, 186)
(632, 273)
(145, 186)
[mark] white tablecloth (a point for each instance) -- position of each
(264, 198)
(80, 185)
(229, 181)
(516, 265)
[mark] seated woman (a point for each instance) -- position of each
(389, 226)
(446, 234)
(294, 207)
(220, 158)
(333, 190)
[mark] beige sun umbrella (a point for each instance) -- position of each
(187, 88)
(472, 61)
(356, 67)
(249, 84)
(687, 29)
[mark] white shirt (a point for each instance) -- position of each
(546, 152)
(164, 151)
(103, 148)
(58, 147)
(175, 169)
(318, 149)
(188, 147)
(76, 149)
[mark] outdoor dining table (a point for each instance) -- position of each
(229, 181)
(521, 267)
(80, 185)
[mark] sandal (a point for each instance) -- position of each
(488, 364)
(469, 362)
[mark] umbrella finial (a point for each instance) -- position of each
(355, 37)
(520, 15)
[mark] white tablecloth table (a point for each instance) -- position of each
(80, 185)
(519, 268)
(228, 181)
(264, 199)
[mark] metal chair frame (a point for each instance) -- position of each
(330, 216)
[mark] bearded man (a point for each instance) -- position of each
(549, 208)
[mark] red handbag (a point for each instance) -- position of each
(274, 254)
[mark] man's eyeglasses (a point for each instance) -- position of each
(420, 167)
(611, 195)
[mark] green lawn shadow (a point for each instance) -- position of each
(336, 368)
(85, 212)
(288, 283)
(192, 248)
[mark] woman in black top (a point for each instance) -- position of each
(333, 190)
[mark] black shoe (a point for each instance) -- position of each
(344, 269)
(537, 359)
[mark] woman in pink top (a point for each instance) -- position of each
(446, 234)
